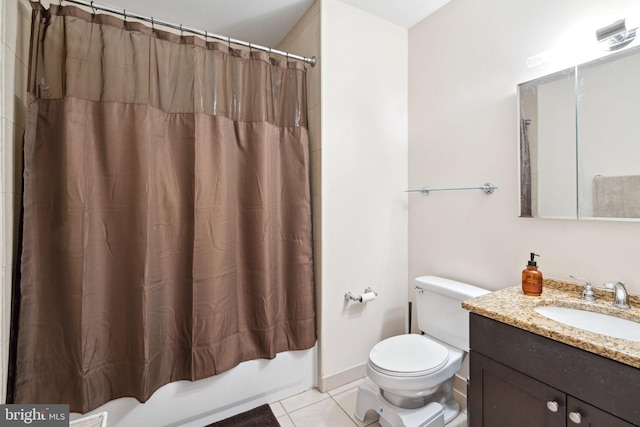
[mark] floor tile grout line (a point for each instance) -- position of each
(288, 414)
(343, 410)
(327, 394)
(347, 414)
(305, 406)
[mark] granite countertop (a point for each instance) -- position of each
(514, 308)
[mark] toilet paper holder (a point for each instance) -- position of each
(368, 295)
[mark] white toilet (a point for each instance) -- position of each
(410, 377)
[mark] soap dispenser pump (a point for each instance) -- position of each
(532, 278)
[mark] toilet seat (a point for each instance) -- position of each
(408, 355)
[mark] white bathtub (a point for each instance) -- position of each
(195, 404)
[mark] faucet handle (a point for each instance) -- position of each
(587, 294)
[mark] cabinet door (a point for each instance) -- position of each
(502, 397)
(581, 414)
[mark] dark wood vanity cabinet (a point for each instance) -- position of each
(510, 398)
(521, 379)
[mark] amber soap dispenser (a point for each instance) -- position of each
(532, 278)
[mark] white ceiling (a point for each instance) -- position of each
(264, 22)
(405, 13)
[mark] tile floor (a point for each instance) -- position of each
(332, 409)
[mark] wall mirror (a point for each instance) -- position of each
(580, 141)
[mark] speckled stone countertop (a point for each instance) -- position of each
(514, 308)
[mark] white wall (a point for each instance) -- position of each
(364, 164)
(464, 64)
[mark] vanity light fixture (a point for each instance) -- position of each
(617, 35)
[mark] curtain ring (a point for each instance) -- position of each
(124, 13)
(229, 43)
(93, 8)
(153, 28)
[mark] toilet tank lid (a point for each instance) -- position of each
(448, 287)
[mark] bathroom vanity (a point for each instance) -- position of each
(527, 370)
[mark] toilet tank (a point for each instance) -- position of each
(439, 310)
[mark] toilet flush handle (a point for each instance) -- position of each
(418, 289)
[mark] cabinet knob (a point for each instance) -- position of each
(575, 417)
(552, 405)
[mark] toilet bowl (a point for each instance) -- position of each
(410, 377)
(409, 368)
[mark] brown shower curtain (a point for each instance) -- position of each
(167, 220)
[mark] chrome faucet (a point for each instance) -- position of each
(620, 295)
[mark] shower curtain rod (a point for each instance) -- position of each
(95, 6)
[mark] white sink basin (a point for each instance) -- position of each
(593, 322)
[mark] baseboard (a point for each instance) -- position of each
(460, 385)
(460, 391)
(341, 378)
